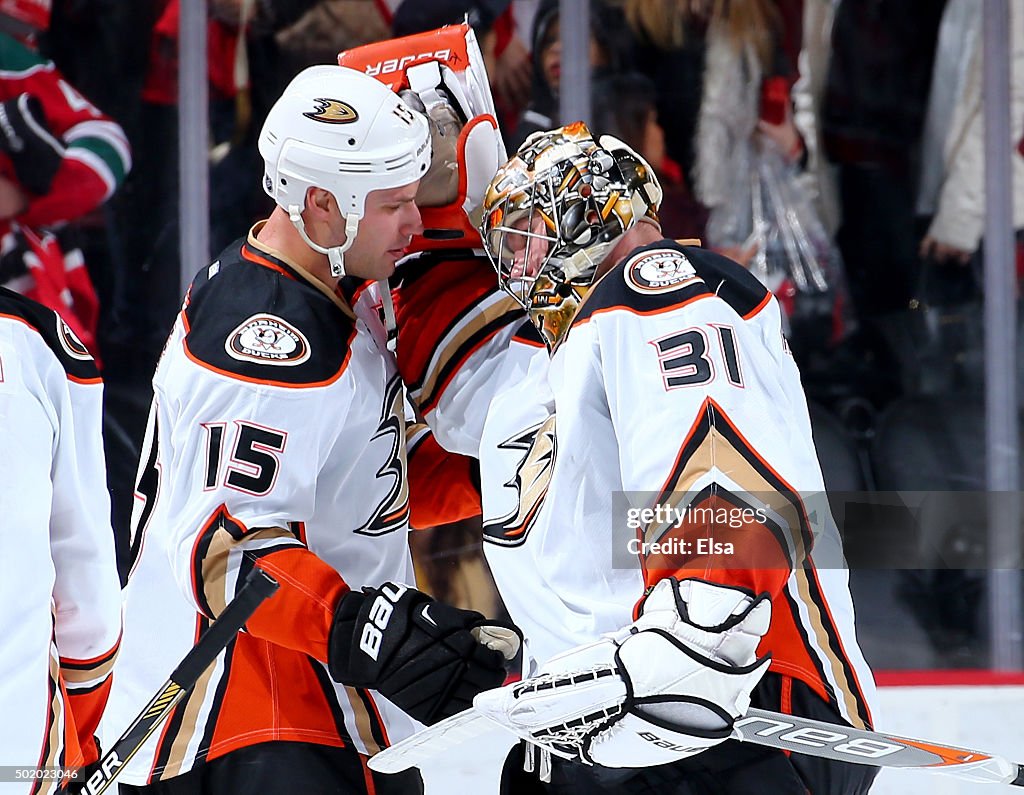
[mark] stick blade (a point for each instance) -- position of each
(427, 744)
(859, 746)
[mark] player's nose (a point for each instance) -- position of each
(412, 221)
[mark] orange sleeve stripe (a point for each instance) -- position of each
(367, 777)
(300, 614)
(430, 402)
(248, 254)
(812, 572)
(432, 505)
(767, 565)
(87, 709)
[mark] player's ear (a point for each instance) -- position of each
(319, 201)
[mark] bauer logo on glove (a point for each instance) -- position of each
(427, 657)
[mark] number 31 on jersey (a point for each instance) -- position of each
(687, 357)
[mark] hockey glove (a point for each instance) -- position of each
(25, 137)
(663, 688)
(427, 657)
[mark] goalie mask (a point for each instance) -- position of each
(441, 74)
(553, 213)
(337, 129)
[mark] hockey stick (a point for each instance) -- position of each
(773, 729)
(258, 586)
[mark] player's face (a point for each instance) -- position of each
(390, 220)
(527, 251)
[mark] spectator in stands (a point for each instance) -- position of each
(872, 119)
(952, 190)
(60, 158)
(625, 106)
(610, 53)
(242, 89)
(720, 56)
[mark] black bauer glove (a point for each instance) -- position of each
(426, 657)
(25, 137)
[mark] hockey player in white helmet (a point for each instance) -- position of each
(662, 540)
(277, 440)
(455, 325)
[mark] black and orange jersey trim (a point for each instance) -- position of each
(247, 281)
(54, 751)
(803, 639)
(271, 683)
(527, 334)
(765, 551)
(449, 306)
(76, 360)
(716, 276)
(803, 649)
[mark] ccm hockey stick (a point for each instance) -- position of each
(258, 586)
(774, 729)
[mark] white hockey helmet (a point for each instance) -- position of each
(345, 132)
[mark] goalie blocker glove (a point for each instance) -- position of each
(25, 137)
(668, 686)
(428, 658)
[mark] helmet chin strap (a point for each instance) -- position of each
(336, 257)
(388, 307)
(335, 254)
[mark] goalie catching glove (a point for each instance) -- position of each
(427, 657)
(668, 686)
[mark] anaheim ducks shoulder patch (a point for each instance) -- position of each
(69, 341)
(267, 339)
(659, 271)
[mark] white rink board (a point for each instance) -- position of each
(981, 718)
(978, 717)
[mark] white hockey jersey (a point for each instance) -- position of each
(61, 620)
(277, 438)
(674, 388)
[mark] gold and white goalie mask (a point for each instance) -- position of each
(554, 212)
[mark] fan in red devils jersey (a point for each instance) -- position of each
(277, 439)
(60, 157)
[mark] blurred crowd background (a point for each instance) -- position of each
(834, 147)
